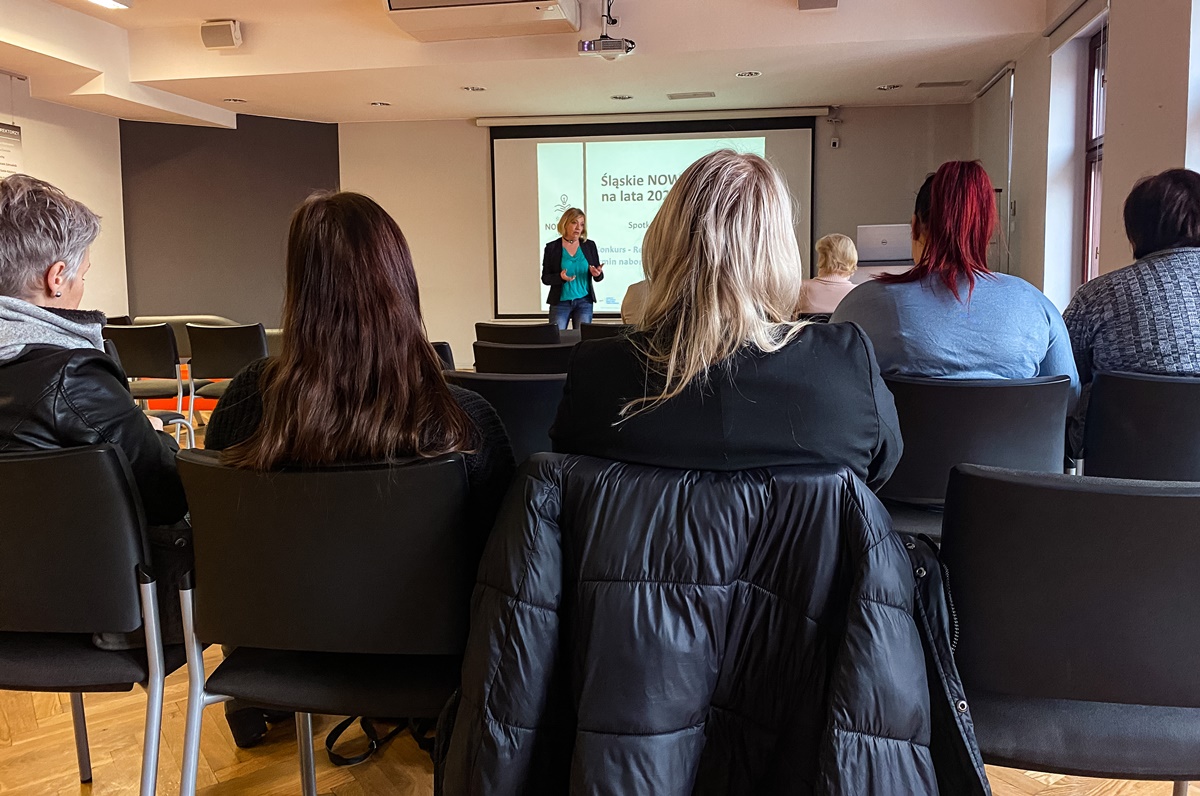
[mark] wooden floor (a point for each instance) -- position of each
(37, 755)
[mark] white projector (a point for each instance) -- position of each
(606, 47)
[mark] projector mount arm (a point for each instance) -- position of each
(607, 18)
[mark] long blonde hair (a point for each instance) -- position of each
(724, 271)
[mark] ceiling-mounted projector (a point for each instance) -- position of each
(607, 47)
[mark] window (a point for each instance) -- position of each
(1094, 133)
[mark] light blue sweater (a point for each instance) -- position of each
(1007, 329)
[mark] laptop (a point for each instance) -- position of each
(884, 242)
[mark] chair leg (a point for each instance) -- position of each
(1180, 789)
(81, 738)
(195, 701)
(154, 687)
(308, 768)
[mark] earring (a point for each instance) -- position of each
(58, 294)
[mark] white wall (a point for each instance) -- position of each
(1031, 108)
(1065, 164)
(435, 180)
(885, 155)
(992, 121)
(80, 152)
(1149, 53)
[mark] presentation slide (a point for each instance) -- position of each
(619, 182)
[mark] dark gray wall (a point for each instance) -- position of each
(207, 210)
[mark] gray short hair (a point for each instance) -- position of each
(40, 226)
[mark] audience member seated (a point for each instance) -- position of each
(58, 389)
(718, 375)
(949, 316)
(1144, 318)
(356, 380)
(634, 303)
(837, 260)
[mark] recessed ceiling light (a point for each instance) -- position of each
(749, 73)
(473, 88)
(381, 104)
(621, 96)
(121, 4)
(234, 100)
(888, 87)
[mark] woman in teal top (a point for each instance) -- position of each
(569, 265)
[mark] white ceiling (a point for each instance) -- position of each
(327, 60)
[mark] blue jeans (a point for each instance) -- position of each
(577, 311)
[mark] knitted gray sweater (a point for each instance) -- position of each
(1144, 318)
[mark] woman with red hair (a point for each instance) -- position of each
(949, 316)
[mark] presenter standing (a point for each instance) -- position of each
(569, 265)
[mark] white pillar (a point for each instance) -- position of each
(1146, 125)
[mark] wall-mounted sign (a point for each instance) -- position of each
(11, 160)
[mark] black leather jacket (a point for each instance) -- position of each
(54, 397)
(676, 633)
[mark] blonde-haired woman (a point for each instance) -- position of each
(717, 376)
(837, 260)
(569, 264)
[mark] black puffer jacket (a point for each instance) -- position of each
(52, 397)
(647, 631)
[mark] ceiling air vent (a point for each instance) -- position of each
(682, 95)
(815, 5)
(447, 20)
(944, 84)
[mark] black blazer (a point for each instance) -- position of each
(820, 399)
(552, 269)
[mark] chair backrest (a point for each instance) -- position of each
(274, 341)
(1017, 423)
(517, 333)
(598, 331)
(445, 353)
(119, 320)
(501, 358)
(814, 317)
(1143, 426)
(526, 403)
(146, 352)
(220, 352)
(356, 559)
(179, 324)
(1070, 587)
(72, 542)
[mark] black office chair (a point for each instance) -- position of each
(526, 403)
(169, 417)
(150, 357)
(814, 317)
(598, 331)
(368, 616)
(119, 320)
(445, 353)
(1075, 601)
(73, 567)
(517, 333)
(1017, 423)
(220, 352)
(1143, 426)
(501, 358)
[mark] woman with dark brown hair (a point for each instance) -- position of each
(356, 380)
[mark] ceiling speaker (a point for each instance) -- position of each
(221, 34)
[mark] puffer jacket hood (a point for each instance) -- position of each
(647, 631)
